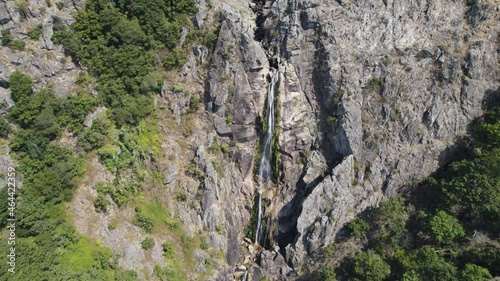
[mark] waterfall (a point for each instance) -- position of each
(265, 170)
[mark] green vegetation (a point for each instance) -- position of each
(35, 33)
(375, 84)
(7, 41)
(143, 221)
(328, 275)
(117, 41)
(444, 230)
(329, 251)
(113, 224)
(358, 227)
(371, 267)
(4, 128)
(147, 243)
(473, 272)
(194, 104)
(51, 249)
(122, 45)
(95, 136)
(60, 5)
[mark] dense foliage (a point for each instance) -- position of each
(444, 230)
(123, 45)
(47, 245)
(120, 42)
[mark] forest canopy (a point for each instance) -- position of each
(120, 43)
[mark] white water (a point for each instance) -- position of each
(266, 155)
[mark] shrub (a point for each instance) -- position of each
(152, 83)
(194, 104)
(375, 84)
(7, 41)
(6, 37)
(35, 33)
(148, 243)
(60, 5)
(95, 136)
(224, 149)
(331, 119)
(175, 59)
(113, 224)
(358, 227)
(142, 221)
(17, 44)
(23, 6)
(393, 214)
(329, 251)
(4, 128)
(74, 109)
(177, 89)
(219, 229)
(101, 204)
(168, 250)
(387, 61)
(181, 196)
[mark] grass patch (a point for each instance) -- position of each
(80, 255)
(148, 135)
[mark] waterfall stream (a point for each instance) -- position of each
(265, 169)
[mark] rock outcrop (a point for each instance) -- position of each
(372, 96)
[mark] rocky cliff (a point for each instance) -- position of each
(373, 96)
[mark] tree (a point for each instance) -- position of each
(21, 86)
(358, 227)
(328, 275)
(371, 267)
(430, 266)
(47, 124)
(445, 228)
(4, 128)
(474, 272)
(410, 276)
(95, 136)
(393, 215)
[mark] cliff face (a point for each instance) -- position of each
(372, 97)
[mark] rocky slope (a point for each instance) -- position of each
(373, 96)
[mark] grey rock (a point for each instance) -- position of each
(4, 75)
(221, 126)
(475, 60)
(274, 264)
(255, 273)
(47, 32)
(332, 203)
(348, 135)
(171, 174)
(315, 167)
(4, 14)
(201, 52)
